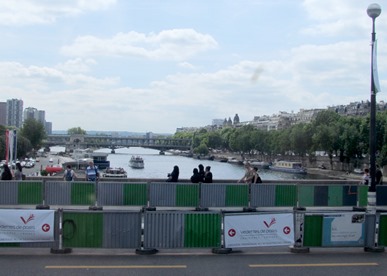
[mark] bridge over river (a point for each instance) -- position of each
(72, 142)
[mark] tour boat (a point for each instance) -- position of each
(136, 162)
(115, 172)
(288, 166)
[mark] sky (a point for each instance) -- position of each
(154, 66)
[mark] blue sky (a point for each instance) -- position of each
(152, 65)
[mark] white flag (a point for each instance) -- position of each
(375, 70)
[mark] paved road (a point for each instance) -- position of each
(266, 261)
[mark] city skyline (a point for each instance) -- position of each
(160, 65)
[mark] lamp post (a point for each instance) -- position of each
(373, 11)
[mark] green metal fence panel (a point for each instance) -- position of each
(383, 230)
(350, 193)
(237, 195)
(83, 193)
(313, 226)
(306, 195)
(363, 196)
(286, 195)
(135, 194)
(187, 195)
(82, 229)
(202, 230)
(335, 195)
(30, 192)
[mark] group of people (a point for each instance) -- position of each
(378, 176)
(200, 175)
(91, 173)
(16, 175)
(251, 175)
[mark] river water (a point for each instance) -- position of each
(158, 166)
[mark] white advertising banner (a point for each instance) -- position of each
(26, 225)
(343, 229)
(258, 230)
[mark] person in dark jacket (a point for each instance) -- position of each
(208, 175)
(6, 175)
(196, 177)
(256, 177)
(201, 172)
(174, 175)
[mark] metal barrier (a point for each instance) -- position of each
(178, 229)
(21, 192)
(201, 195)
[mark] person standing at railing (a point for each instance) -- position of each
(249, 174)
(208, 175)
(92, 173)
(366, 177)
(196, 177)
(174, 175)
(69, 174)
(256, 178)
(18, 172)
(201, 172)
(7, 174)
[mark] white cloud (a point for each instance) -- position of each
(176, 44)
(335, 18)
(77, 65)
(30, 12)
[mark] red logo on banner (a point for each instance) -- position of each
(231, 232)
(286, 230)
(25, 221)
(270, 224)
(46, 227)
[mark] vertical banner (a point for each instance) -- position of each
(375, 74)
(26, 225)
(241, 230)
(344, 229)
(7, 145)
(14, 145)
(10, 148)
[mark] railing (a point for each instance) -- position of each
(167, 194)
(147, 229)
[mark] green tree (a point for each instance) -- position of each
(202, 149)
(24, 146)
(34, 131)
(76, 130)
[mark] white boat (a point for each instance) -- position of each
(115, 172)
(136, 162)
(288, 166)
(233, 160)
(259, 164)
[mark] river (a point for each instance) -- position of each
(158, 166)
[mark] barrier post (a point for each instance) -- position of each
(96, 207)
(222, 249)
(148, 207)
(249, 208)
(200, 208)
(371, 235)
(358, 208)
(60, 249)
(43, 206)
(299, 220)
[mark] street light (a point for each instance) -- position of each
(373, 11)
